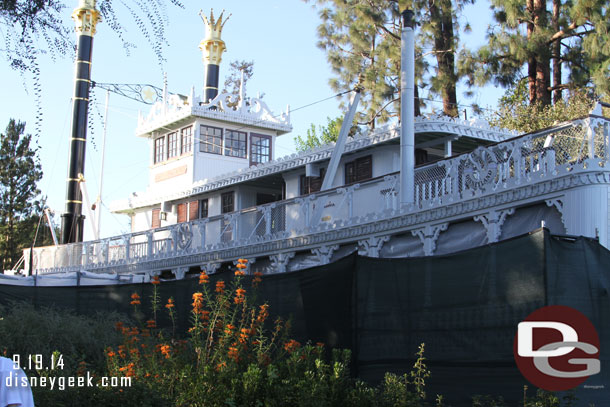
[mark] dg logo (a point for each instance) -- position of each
(556, 348)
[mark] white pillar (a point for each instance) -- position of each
(448, 149)
(407, 109)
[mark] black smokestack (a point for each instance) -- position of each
(86, 18)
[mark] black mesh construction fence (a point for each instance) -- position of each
(465, 307)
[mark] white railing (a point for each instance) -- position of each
(486, 170)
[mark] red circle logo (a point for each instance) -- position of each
(556, 348)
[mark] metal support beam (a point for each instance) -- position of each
(331, 171)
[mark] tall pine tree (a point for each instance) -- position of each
(538, 39)
(362, 40)
(19, 173)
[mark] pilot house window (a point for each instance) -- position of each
(159, 149)
(235, 143)
(187, 138)
(260, 149)
(211, 140)
(172, 144)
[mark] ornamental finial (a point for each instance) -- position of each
(86, 17)
(212, 45)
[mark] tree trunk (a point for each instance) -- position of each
(416, 105)
(541, 68)
(442, 19)
(556, 52)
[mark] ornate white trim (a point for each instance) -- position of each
(210, 268)
(325, 253)
(280, 261)
(428, 235)
(180, 272)
(372, 246)
(558, 204)
(493, 221)
(225, 107)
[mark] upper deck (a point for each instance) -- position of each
(460, 202)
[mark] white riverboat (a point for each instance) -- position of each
(217, 192)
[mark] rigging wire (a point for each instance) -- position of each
(48, 187)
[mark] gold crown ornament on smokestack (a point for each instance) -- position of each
(86, 17)
(212, 47)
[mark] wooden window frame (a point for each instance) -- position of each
(356, 172)
(186, 140)
(193, 210)
(310, 185)
(230, 149)
(155, 220)
(205, 146)
(159, 155)
(204, 208)
(253, 145)
(173, 144)
(223, 205)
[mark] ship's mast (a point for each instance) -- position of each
(85, 17)
(212, 47)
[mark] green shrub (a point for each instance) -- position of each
(25, 330)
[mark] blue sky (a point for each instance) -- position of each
(278, 35)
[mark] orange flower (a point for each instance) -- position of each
(203, 278)
(197, 302)
(151, 323)
(239, 273)
(122, 353)
(129, 370)
(240, 296)
(220, 366)
(134, 352)
(241, 266)
(257, 278)
(165, 350)
(135, 299)
(229, 328)
(205, 315)
(111, 353)
(155, 280)
(220, 286)
(233, 353)
(243, 336)
(319, 344)
(170, 304)
(118, 326)
(291, 345)
(242, 260)
(146, 333)
(262, 314)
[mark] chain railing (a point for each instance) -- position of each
(485, 170)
